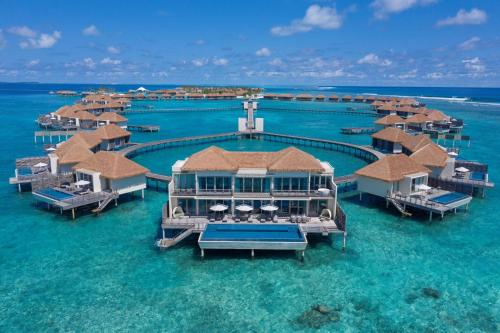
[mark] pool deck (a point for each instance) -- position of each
(197, 225)
(424, 202)
(77, 200)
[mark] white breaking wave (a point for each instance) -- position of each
(326, 88)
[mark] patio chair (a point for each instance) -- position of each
(275, 219)
(237, 219)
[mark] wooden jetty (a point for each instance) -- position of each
(347, 112)
(357, 130)
(366, 153)
(153, 111)
(143, 128)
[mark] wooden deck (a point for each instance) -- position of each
(153, 111)
(425, 203)
(357, 130)
(143, 128)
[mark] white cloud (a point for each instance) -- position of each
(91, 30)
(33, 63)
(474, 65)
(383, 8)
(409, 75)
(435, 76)
(373, 59)
(89, 63)
(44, 41)
(469, 44)
(160, 74)
(22, 31)
(474, 16)
(276, 62)
(199, 62)
(109, 61)
(220, 61)
(113, 49)
(316, 17)
(200, 42)
(263, 52)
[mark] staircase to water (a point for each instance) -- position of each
(399, 207)
(103, 204)
(168, 242)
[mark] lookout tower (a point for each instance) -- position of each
(250, 123)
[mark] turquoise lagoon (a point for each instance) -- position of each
(104, 273)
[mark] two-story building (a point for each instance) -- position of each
(291, 180)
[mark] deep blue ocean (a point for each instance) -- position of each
(103, 273)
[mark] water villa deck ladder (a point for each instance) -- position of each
(398, 206)
(168, 242)
(104, 203)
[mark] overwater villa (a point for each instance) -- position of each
(82, 171)
(392, 120)
(347, 98)
(403, 182)
(112, 137)
(448, 172)
(96, 180)
(319, 98)
(334, 98)
(418, 123)
(304, 97)
(281, 195)
(108, 118)
(359, 99)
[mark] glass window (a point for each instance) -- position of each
(210, 183)
(257, 185)
(277, 184)
(286, 184)
(248, 185)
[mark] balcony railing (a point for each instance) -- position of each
(276, 193)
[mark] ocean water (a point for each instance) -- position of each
(103, 273)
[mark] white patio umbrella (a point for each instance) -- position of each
(82, 182)
(51, 149)
(462, 169)
(218, 208)
(423, 187)
(40, 165)
(269, 208)
(452, 153)
(244, 208)
(323, 191)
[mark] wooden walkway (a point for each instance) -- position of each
(169, 143)
(347, 112)
(143, 128)
(365, 153)
(154, 111)
(357, 130)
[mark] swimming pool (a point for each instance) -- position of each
(449, 198)
(252, 233)
(476, 175)
(54, 194)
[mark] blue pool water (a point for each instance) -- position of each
(54, 194)
(449, 198)
(247, 232)
(475, 175)
(103, 273)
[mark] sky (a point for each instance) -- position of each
(272, 42)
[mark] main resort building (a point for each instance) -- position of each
(288, 189)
